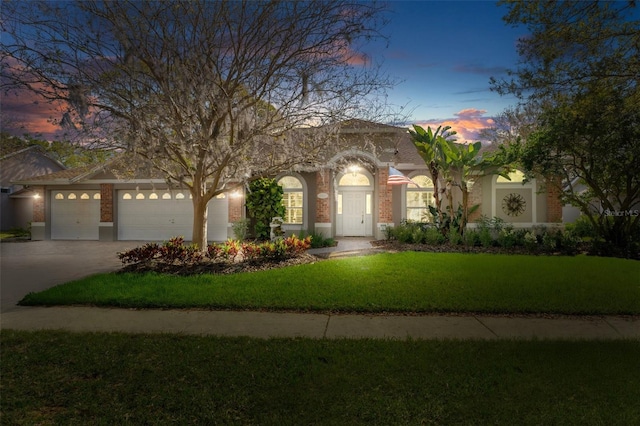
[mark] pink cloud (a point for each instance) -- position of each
(467, 123)
(25, 112)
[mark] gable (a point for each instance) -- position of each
(26, 163)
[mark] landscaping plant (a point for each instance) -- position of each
(264, 202)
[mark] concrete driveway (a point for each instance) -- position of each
(33, 266)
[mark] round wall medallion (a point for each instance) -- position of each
(323, 195)
(513, 204)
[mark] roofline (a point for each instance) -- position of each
(37, 147)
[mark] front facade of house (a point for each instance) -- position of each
(348, 196)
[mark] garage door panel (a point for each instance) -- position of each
(74, 217)
(162, 218)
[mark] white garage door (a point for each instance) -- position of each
(75, 215)
(161, 215)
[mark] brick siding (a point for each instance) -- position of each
(236, 206)
(385, 197)
(38, 204)
(323, 205)
(106, 202)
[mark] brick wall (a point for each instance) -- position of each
(38, 204)
(385, 197)
(106, 202)
(475, 197)
(236, 207)
(554, 204)
(323, 205)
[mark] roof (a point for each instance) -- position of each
(388, 144)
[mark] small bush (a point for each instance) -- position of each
(531, 241)
(471, 238)
(507, 237)
(318, 240)
(485, 237)
(240, 229)
(582, 228)
(454, 237)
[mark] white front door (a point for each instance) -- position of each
(353, 214)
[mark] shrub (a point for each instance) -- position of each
(264, 202)
(531, 241)
(471, 238)
(318, 240)
(240, 229)
(433, 236)
(454, 237)
(142, 254)
(485, 237)
(582, 227)
(507, 237)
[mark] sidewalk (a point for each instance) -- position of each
(316, 326)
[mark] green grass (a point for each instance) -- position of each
(402, 282)
(111, 379)
(14, 233)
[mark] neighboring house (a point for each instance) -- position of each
(347, 196)
(16, 201)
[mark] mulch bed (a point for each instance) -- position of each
(218, 268)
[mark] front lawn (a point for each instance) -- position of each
(77, 378)
(398, 282)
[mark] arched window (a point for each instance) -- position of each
(153, 196)
(515, 176)
(292, 199)
(354, 179)
(418, 199)
(71, 196)
(166, 196)
(84, 196)
(179, 196)
(96, 196)
(59, 196)
(140, 196)
(126, 196)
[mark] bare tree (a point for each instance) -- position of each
(211, 93)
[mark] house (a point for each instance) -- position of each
(348, 195)
(16, 201)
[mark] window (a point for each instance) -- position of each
(153, 196)
(292, 199)
(71, 196)
(179, 196)
(59, 196)
(418, 198)
(84, 196)
(166, 196)
(126, 196)
(140, 196)
(96, 196)
(354, 179)
(514, 177)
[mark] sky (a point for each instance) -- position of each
(442, 53)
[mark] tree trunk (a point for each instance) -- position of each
(465, 207)
(200, 211)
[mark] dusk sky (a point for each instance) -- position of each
(442, 52)
(445, 52)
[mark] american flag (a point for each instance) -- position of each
(397, 178)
